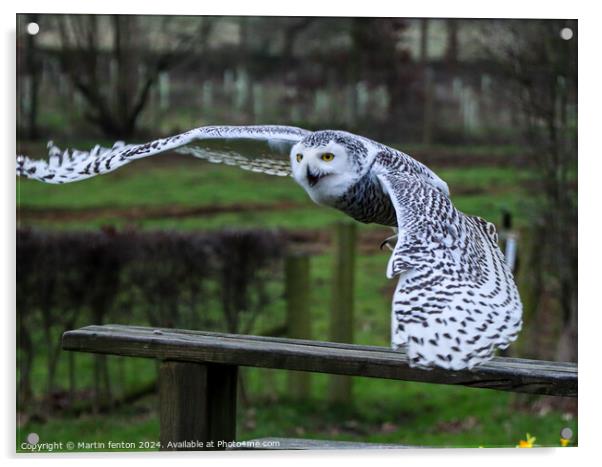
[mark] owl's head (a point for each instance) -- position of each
(326, 163)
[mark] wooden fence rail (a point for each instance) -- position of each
(199, 369)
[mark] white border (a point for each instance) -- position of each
(457, 8)
(589, 210)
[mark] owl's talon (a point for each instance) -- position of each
(387, 242)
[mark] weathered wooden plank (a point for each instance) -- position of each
(507, 374)
(197, 406)
(284, 340)
(301, 444)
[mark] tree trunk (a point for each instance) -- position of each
(33, 70)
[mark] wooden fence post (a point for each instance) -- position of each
(509, 241)
(197, 404)
(341, 318)
(529, 289)
(298, 319)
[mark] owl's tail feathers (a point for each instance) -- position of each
(452, 327)
(454, 343)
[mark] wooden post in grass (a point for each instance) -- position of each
(509, 242)
(529, 289)
(298, 320)
(341, 309)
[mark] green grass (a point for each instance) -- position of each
(481, 191)
(152, 185)
(136, 425)
(408, 413)
(383, 411)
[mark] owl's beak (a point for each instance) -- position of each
(313, 178)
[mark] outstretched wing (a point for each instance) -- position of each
(257, 148)
(455, 301)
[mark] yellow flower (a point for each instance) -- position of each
(528, 443)
(564, 442)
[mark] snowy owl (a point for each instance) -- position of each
(455, 301)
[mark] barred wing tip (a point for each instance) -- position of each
(64, 166)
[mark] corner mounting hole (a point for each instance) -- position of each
(566, 34)
(33, 29)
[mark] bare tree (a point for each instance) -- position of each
(451, 49)
(543, 67)
(424, 40)
(293, 28)
(29, 69)
(114, 62)
(379, 56)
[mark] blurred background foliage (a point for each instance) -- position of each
(490, 105)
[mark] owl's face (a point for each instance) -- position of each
(325, 171)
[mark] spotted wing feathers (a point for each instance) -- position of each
(455, 302)
(235, 158)
(64, 166)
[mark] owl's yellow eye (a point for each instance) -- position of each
(299, 157)
(327, 156)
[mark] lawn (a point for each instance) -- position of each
(383, 411)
